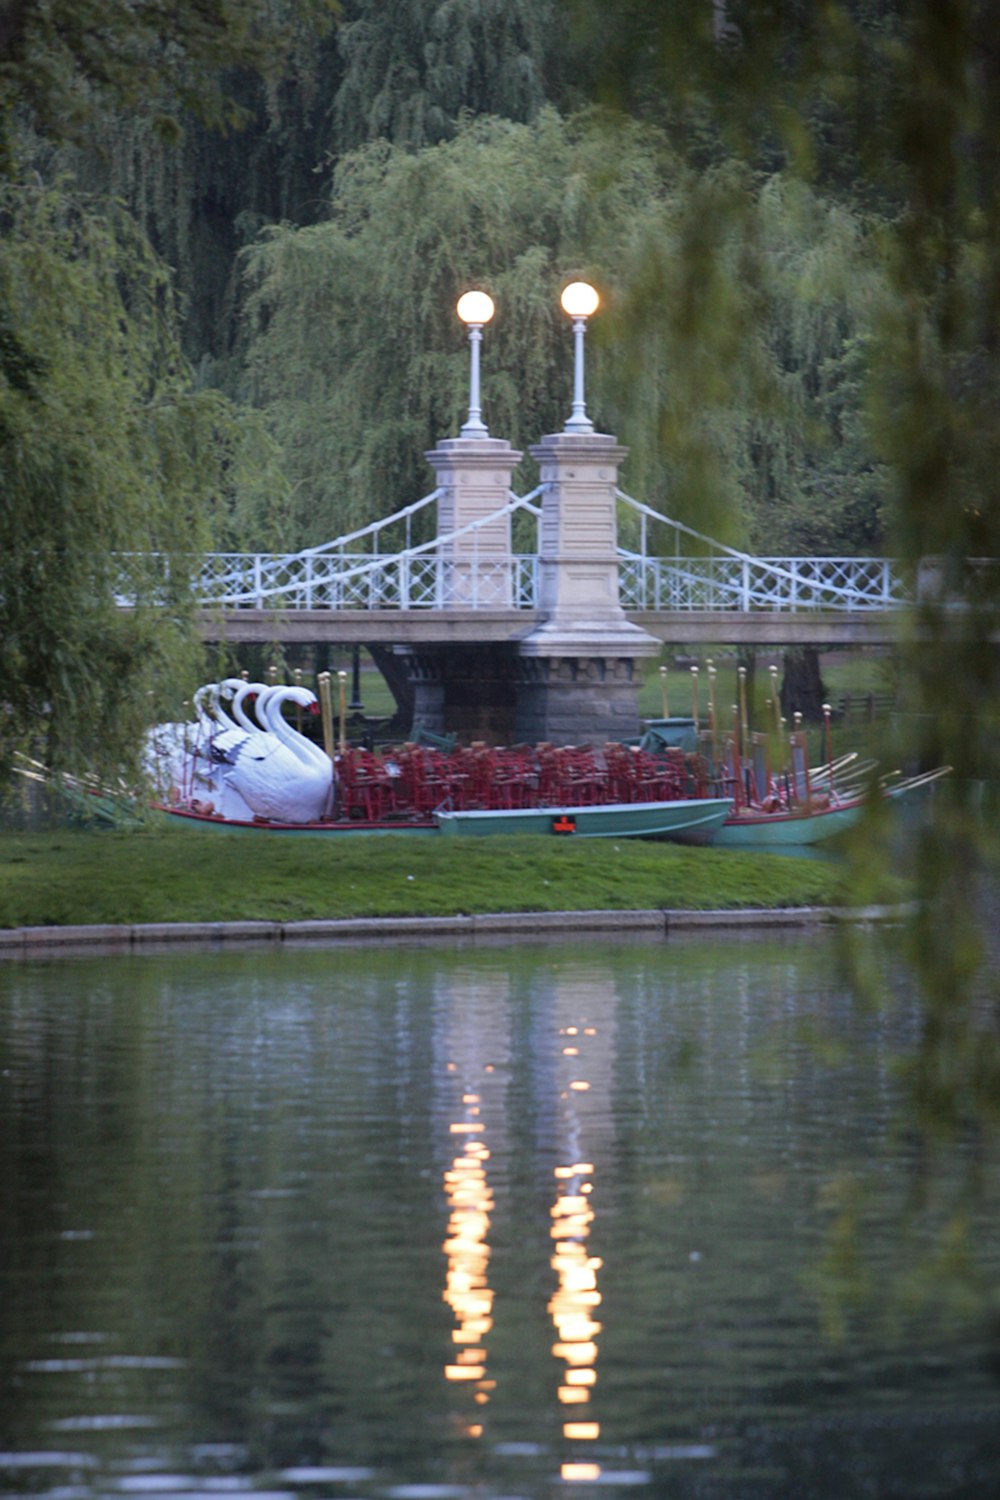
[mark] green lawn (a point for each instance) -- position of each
(83, 875)
(78, 875)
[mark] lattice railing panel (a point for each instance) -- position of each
(746, 584)
(448, 573)
(352, 582)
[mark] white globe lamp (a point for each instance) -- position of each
(580, 301)
(475, 310)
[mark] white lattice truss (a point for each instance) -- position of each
(724, 579)
(353, 572)
(357, 572)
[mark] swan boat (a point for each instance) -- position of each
(266, 777)
(695, 820)
(819, 810)
(269, 778)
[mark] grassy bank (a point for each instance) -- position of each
(77, 875)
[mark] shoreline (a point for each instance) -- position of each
(34, 942)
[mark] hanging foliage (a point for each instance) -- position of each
(897, 105)
(66, 59)
(360, 364)
(112, 468)
(412, 68)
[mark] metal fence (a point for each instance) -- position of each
(368, 570)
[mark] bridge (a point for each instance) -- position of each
(378, 585)
(523, 618)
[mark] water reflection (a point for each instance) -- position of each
(573, 1305)
(467, 1289)
(442, 1223)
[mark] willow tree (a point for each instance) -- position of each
(65, 60)
(911, 93)
(295, 101)
(205, 119)
(412, 68)
(113, 466)
(110, 466)
(360, 364)
(743, 304)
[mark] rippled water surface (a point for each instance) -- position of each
(429, 1222)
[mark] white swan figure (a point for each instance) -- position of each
(316, 764)
(269, 707)
(234, 690)
(269, 770)
(176, 754)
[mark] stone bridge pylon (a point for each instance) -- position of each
(573, 678)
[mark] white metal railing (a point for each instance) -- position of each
(759, 583)
(725, 579)
(367, 569)
(448, 572)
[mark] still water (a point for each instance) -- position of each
(422, 1223)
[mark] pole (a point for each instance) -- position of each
(711, 713)
(694, 697)
(326, 711)
(474, 425)
(663, 688)
(738, 789)
(579, 421)
(776, 710)
(342, 680)
(744, 722)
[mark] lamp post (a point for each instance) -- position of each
(579, 300)
(475, 310)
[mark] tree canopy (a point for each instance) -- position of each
(359, 361)
(413, 68)
(64, 59)
(115, 468)
(110, 465)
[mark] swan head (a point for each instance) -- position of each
(206, 700)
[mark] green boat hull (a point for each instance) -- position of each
(181, 817)
(693, 821)
(786, 830)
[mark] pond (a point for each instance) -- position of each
(428, 1222)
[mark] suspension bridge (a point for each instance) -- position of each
(523, 618)
(379, 584)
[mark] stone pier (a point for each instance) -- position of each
(473, 475)
(580, 672)
(575, 678)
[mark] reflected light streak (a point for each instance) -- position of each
(571, 1305)
(578, 1472)
(467, 1290)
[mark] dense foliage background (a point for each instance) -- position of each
(233, 235)
(268, 211)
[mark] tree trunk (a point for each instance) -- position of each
(802, 689)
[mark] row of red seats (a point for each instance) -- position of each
(410, 781)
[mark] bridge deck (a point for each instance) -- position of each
(426, 627)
